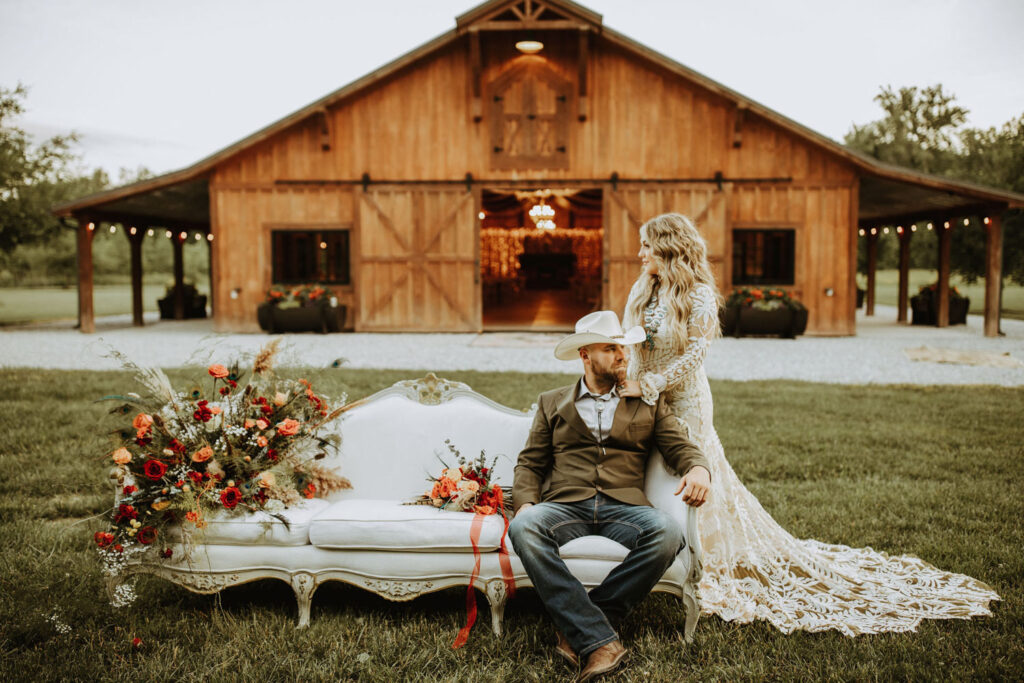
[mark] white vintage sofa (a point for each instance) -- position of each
(366, 537)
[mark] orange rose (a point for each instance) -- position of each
(203, 454)
(267, 479)
(249, 424)
(159, 505)
(218, 371)
(262, 441)
(288, 427)
(262, 424)
(215, 410)
(142, 422)
(192, 516)
(483, 509)
(122, 456)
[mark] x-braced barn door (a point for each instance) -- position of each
(627, 208)
(418, 266)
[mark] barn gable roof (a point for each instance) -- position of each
(551, 14)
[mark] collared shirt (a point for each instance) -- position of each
(597, 410)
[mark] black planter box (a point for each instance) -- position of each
(924, 309)
(320, 318)
(738, 321)
(195, 307)
(861, 293)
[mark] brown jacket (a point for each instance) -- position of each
(563, 462)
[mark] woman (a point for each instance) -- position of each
(753, 568)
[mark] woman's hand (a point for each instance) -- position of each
(629, 387)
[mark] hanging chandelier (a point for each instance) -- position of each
(541, 214)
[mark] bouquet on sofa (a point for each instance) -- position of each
(236, 441)
(465, 488)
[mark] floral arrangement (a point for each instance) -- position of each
(933, 289)
(466, 488)
(232, 443)
(290, 296)
(763, 299)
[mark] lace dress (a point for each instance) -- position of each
(753, 568)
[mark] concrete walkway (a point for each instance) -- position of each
(877, 355)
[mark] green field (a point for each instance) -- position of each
(935, 474)
(37, 304)
(887, 285)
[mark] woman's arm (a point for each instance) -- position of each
(700, 328)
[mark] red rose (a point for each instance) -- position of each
(203, 412)
(196, 477)
(230, 497)
(125, 513)
(128, 490)
(166, 553)
(154, 469)
(118, 547)
(177, 446)
(103, 538)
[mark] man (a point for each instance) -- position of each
(582, 473)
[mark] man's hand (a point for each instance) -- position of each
(630, 387)
(695, 486)
(523, 508)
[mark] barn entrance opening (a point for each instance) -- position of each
(540, 258)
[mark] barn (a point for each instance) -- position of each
(495, 178)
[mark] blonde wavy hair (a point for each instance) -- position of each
(682, 259)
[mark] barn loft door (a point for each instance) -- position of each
(626, 209)
(418, 267)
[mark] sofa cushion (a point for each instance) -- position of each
(593, 548)
(367, 524)
(227, 527)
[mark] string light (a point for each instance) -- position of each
(132, 230)
(874, 231)
(169, 234)
(986, 220)
(183, 236)
(861, 232)
(113, 228)
(91, 226)
(481, 215)
(149, 233)
(885, 231)
(930, 226)
(967, 221)
(323, 245)
(899, 229)
(209, 237)
(198, 237)
(913, 228)
(946, 225)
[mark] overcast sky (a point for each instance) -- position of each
(163, 84)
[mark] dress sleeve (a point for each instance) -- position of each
(700, 328)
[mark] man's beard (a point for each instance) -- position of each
(614, 374)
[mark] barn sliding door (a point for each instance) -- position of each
(418, 263)
(627, 208)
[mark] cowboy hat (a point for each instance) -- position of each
(599, 327)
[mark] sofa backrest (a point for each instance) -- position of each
(391, 442)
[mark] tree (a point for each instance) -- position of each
(923, 129)
(33, 177)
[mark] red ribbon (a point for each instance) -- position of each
(503, 559)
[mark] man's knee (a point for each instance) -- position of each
(524, 525)
(666, 530)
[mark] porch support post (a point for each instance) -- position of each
(209, 253)
(993, 273)
(945, 243)
(904, 287)
(86, 315)
(179, 275)
(869, 299)
(135, 234)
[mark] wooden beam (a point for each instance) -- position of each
(869, 299)
(945, 245)
(475, 73)
(993, 273)
(135, 242)
(209, 256)
(582, 59)
(179, 276)
(904, 286)
(86, 314)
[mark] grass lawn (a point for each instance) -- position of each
(929, 471)
(20, 305)
(887, 284)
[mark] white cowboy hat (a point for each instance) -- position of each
(599, 327)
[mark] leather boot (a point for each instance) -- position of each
(603, 660)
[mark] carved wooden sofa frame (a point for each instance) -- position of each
(429, 411)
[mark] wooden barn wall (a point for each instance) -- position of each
(644, 122)
(242, 221)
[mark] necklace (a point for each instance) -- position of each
(654, 315)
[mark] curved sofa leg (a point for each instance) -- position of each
(497, 596)
(304, 585)
(692, 606)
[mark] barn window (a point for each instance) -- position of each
(311, 256)
(763, 257)
(529, 118)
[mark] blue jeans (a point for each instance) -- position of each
(589, 621)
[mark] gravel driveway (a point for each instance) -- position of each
(877, 355)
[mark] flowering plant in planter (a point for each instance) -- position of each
(233, 443)
(301, 295)
(763, 299)
(933, 289)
